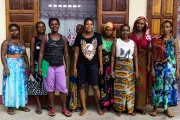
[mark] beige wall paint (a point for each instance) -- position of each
(136, 8)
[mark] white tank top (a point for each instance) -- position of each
(124, 49)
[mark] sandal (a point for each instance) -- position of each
(67, 113)
(143, 112)
(52, 113)
(38, 110)
(170, 115)
(10, 111)
(153, 113)
(46, 107)
(25, 109)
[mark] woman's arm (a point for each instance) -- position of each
(26, 59)
(100, 59)
(4, 48)
(41, 53)
(136, 60)
(32, 47)
(177, 56)
(113, 55)
(66, 54)
(76, 55)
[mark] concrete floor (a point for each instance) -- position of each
(91, 115)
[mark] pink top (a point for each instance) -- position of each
(141, 43)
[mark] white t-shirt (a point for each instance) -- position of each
(124, 49)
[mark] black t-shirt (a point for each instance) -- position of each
(88, 48)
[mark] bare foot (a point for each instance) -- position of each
(133, 114)
(83, 112)
(100, 112)
(118, 114)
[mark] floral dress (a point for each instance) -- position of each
(14, 93)
(106, 83)
(164, 92)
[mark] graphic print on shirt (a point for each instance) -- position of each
(38, 46)
(121, 51)
(89, 49)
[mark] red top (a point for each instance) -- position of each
(141, 43)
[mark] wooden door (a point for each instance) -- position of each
(25, 13)
(115, 11)
(160, 10)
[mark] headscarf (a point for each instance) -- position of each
(72, 36)
(110, 24)
(146, 35)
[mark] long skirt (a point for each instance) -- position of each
(164, 91)
(73, 96)
(141, 83)
(14, 93)
(106, 86)
(124, 85)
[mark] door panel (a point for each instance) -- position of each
(159, 11)
(25, 13)
(115, 11)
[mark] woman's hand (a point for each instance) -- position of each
(153, 73)
(6, 72)
(100, 70)
(177, 73)
(40, 71)
(32, 69)
(136, 75)
(112, 74)
(66, 72)
(75, 72)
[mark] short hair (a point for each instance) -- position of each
(13, 25)
(51, 19)
(167, 21)
(40, 22)
(87, 19)
(124, 25)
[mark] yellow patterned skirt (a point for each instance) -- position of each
(124, 85)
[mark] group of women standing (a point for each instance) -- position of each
(125, 73)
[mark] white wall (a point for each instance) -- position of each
(2, 34)
(136, 8)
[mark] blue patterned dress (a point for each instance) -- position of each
(164, 92)
(14, 93)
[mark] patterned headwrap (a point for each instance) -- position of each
(146, 35)
(110, 24)
(72, 36)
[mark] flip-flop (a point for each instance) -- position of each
(153, 113)
(67, 113)
(38, 110)
(170, 115)
(25, 109)
(52, 113)
(10, 111)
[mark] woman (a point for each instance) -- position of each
(53, 50)
(88, 50)
(74, 99)
(14, 93)
(35, 85)
(165, 70)
(106, 83)
(123, 53)
(141, 37)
